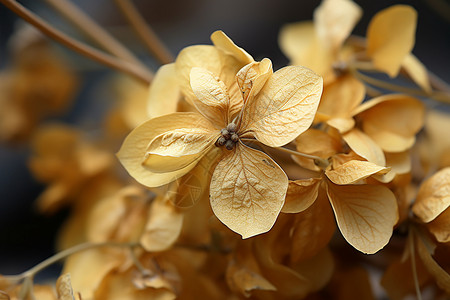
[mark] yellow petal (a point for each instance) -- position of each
(135, 147)
(202, 56)
(252, 77)
(212, 99)
(391, 37)
(341, 97)
(301, 194)
(284, 108)
(353, 171)
(334, 20)
(365, 214)
(225, 44)
(440, 275)
(163, 226)
(440, 227)
(164, 92)
(342, 124)
(247, 191)
(417, 71)
(132, 95)
(433, 196)
(301, 45)
(313, 229)
(392, 121)
(400, 163)
(245, 280)
(364, 146)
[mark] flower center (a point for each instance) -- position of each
(228, 137)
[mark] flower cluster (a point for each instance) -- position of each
(236, 181)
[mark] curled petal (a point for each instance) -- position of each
(301, 194)
(391, 37)
(134, 148)
(225, 44)
(417, 71)
(247, 191)
(353, 171)
(433, 197)
(252, 77)
(285, 107)
(365, 214)
(364, 146)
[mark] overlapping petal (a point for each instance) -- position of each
(354, 171)
(365, 214)
(133, 152)
(284, 108)
(247, 191)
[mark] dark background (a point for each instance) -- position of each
(26, 237)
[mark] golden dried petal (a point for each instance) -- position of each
(301, 194)
(341, 97)
(64, 288)
(284, 108)
(98, 262)
(353, 171)
(391, 37)
(417, 71)
(313, 229)
(225, 44)
(433, 196)
(135, 147)
(202, 56)
(163, 226)
(247, 191)
(364, 146)
(342, 124)
(392, 121)
(440, 227)
(334, 20)
(440, 275)
(164, 92)
(302, 46)
(365, 214)
(400, 163)
(245, 280)
(252, 77)
(212, 99)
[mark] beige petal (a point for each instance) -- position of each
(163, 225)
(364, 146)
(391, 37)
(132, 95)
(341, 97)
(247, 191)
(301, 45)
(400, 163)
(353, 171)
(164, 92)
(313, 229)
(301, 194)
(284, 108)
(365, 214)
(212, 99)
(225, 44)
(245, 280)
(135, 147)
(334, 20)
(433, 196)
(252, 77)
(342, 124)
(440, 227)
(440, 275)
(202, 56)
(417, 71)
(392, 121)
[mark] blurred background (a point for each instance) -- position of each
(26, 237)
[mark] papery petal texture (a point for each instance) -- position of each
(247, 191)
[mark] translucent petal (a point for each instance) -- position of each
(164, 92)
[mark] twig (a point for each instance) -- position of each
(145, 32)
(118, 64)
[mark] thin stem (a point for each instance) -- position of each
(145, 32)
(93, 30)
(65, 253)
(436, 95)
(413, 265)
(135, 70)
(319, 161)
